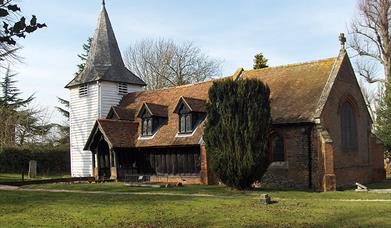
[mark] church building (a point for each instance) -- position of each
(321, 134)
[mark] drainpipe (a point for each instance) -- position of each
(309, 135)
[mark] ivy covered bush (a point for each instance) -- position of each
(236, 132)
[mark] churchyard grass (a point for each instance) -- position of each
(11, 177)
(218, 206)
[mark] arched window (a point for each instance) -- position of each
(277, 149)
(348, 126)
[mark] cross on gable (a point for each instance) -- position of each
(342, 39)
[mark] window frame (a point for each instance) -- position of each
(272, 147)
(147, 124)
(186, 119)
(348, 125)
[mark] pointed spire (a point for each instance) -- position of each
(103, 3)
(104, 60)
(104, 48)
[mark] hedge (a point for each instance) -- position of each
(50, 160)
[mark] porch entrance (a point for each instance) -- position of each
(103, 160)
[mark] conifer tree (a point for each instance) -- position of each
(260, 61)
(383, 117)
(236, 132)
(10, 93)
(63, 128)
(11, 113)
(83, 56)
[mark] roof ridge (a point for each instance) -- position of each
(193, 98)
(230, 76)
(293, 64)
(175, 87)
(112, 120)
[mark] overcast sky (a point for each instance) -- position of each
(286, 31)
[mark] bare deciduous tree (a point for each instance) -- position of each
(164, 63)
(370, 39)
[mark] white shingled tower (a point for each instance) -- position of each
(101, 85)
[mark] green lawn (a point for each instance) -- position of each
(221, 207)
(10, 177)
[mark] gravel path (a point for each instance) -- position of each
(13, 188)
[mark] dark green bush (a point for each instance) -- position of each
(237, 129)
(50, 160)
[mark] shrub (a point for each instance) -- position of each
(237, 129)
(50, 160)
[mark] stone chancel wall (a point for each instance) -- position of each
(294, 172)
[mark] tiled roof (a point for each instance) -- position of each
(295, 90)
(193, 104)
(295, 94)
(154, 110)
(121, 113)
(104, 62)
(117, 133)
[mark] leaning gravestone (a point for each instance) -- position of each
(361, 188)
(32, 169)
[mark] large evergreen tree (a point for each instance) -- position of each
(10, 93)
(11, 112)
(236, 133)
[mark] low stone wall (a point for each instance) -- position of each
(176, 179)
(276, 176)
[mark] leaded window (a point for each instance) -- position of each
(185, 121)
(147, 124)
(348, 126)
(277, 149)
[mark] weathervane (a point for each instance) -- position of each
(342, 39)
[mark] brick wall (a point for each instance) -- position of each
(353, 165)
(294, 171)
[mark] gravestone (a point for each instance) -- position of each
(265, 199)
(32, 169)
(361, 188)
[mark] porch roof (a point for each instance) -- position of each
(117, 133)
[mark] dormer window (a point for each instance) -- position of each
(122, 88)
(185, 121)
(152, 117)
(83, 90)
(147, 125)
(191, 112)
